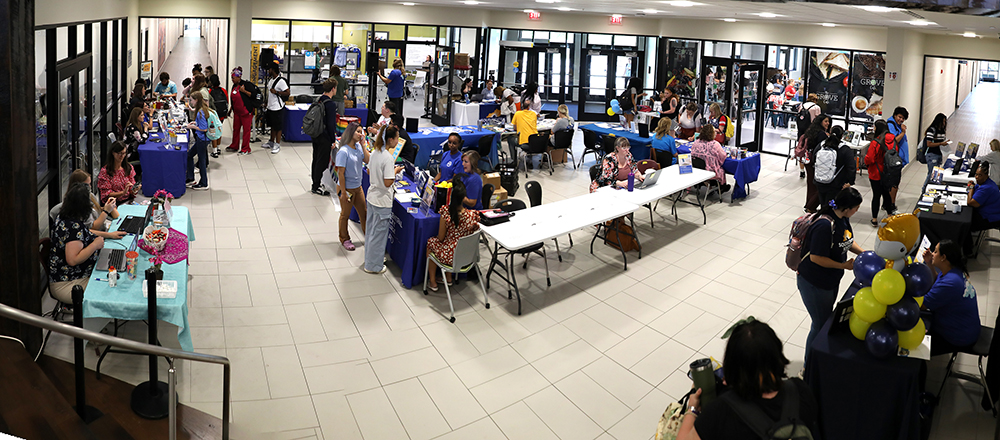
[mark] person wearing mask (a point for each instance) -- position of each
(754, 368)
(663, 143)
(451, 160)
(394, 83)
(817, 132)
(242, 112)
(117, 177)
(351, 156)
(456, 222)
(323, 145)
(488, 95)
(824, 251)
(98, 215)
(220, 103)
(507, 106)
(984, 198)
(341, 89)
(74, 246)
(382, 175)
(846, 167)
(563, 122)
(934, 139)
(709, 150)
(875, 161)
(993, 158)
(688, 122)
(533, 99)
(165, 88)
(277, 93)
(719, 121)
(670, 104)
(954, 322)
(616, 166)
(200, 148)
(472, 180)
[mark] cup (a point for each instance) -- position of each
(704, 378)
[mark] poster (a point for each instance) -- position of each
(161, 42)
(309, 60)
(254, 63)
(867, 84)
(682, 67)
(146, 71)
(828, 76)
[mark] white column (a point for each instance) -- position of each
(905, 57)
(240, 20)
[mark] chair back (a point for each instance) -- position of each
(467, 251)
(485, 146)
(534, 190)
(563, 139)
(487, 195)
(589, 140)
(537, 144)
(698, 162)
(608, 144)
(44, 251)
(511, 205)
(303, 99)
(595, 170)
(647, 164)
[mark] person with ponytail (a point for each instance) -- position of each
(846, 167)
(824, 251)
(456, 222)
(472, 180)
(382, 174)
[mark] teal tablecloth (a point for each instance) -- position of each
(126, 301)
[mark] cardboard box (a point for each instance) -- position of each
(493, 179)
(498, 196)
(461, 60)
(558, 155)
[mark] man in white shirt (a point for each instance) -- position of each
(277, 92)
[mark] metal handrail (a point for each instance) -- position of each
(170, 353)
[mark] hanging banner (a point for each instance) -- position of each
(867, 86)
(682, 67)
(828, 76)
(254, 63)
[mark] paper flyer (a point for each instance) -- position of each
(684, 161)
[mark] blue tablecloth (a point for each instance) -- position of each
(744, 171)
(163, 168)
(639, 146)
(125, 301)
(293, 122)
(431, 142)
(360, 113)
(486, 110)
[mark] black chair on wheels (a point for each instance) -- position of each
(590, 145)
(563, 140)
(485, 148)
(537, 145)
(534, 190)
(511, 205)
(980, 349)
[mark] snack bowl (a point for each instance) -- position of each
(156, 237)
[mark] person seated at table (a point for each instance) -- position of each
(663, 143)
(984, 198)
(456, 222)
(451, 160)
(488, 95)
(525, 124)
(993, 158)
(147, 116)
(467, 87)
(74, 246)
(134, 134)
(707, 148)
(98, 215)
(380, 196)
(351, 156)
(846, 167)
(563, 122)
(165, 88)
(616, 166)
(952, 300)
(385, 116)
(117, 176)
(688, 122)
(754, 368)
(136, 100)
(472, 180)
(507, 105)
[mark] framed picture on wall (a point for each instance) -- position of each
(381, 35)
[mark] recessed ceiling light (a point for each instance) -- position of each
(547, 1)
(681, 3)
(870, 8)
(408, 4)
(729, 20)
(471, 2)
(920, 22)
(767, 15)
(827, 24)
(564, 9)
(528, 11)
(649, 11)
(970, 35)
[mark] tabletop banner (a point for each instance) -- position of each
(828, 76)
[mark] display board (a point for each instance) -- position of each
(682, 67)
(416, 54)
(867, 84)
(828, 76)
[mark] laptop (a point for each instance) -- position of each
(133, 224)
(650, 180)
(114, 257)
(477, 97)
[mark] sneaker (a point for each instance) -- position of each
(268, 144)
(276, 149)
(232, 149)
(189, 184)
(199, 187)
(244, 153)
(874, 223)
(802, 174)
(376, 272)
(320, 192)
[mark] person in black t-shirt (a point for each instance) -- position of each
(754, 367)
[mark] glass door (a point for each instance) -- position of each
(749, 120)
(717, 85)
(75, 116)
(442, 87)
(550, 76)
(608, 73)
(388, 52)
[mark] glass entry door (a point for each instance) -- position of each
(607, 74)
(550, 75)
(388, 52)
(717, 87)
(750, 120)
(442, 86)
(520, 66)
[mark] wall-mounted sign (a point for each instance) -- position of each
(891, 76)
(534, 16)
(516, 64)
(615, 20)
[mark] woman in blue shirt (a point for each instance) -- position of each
(200, 127)
(394, 84)
(952, 300)
(451, 160)
(472, 180)
(663, 143)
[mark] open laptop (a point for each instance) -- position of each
(650, 180)
(116, 257)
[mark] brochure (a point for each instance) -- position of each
(684, 161)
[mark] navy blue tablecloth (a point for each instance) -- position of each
(486, 110)
(163, 168)
(431, 142)
(744, 171)
(639, 146)
(293, 122)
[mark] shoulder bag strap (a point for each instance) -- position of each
(790, 407)
(750, 414)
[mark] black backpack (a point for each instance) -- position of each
(255, 100)
(788, 427)
(893, 165)
(221, 101)
(625, 100)
(803, 119)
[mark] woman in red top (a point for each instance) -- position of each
(242, 118)
(117, 177)
(875, 161)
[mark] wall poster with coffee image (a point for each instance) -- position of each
(867, 85)
(828, 76)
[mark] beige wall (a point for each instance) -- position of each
(904, 55)
(961, 47)
(858, 38)
(65, 11)
(184, 8)
(364, 12)
(940, 81)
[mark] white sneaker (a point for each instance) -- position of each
(267, 144)
(275, 148)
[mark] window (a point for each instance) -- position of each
(599, 39)
(395, 32)
(626, 40)
(421, 33)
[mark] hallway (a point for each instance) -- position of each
(976, 120)
(188, 51)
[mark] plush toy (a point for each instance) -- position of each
(897, 237)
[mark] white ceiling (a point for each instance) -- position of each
(797, 12)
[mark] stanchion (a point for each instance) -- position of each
(87, 413)
(150, 399)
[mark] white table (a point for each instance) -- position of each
(791, 146)
(671, 181)
(464, 114)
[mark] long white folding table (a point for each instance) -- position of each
(671, 181)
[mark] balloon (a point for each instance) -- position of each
(867, 307)
(919, 300)
(881, 339)
(888, 286)
(615, 103)
(611, 112)
(918, 277)
(859, 327)
(617, 108)
(904, 314)
(866, 266)
(912, 338)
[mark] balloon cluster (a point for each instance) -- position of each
(615, 108)
(887, 307)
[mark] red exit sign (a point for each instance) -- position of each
(534, 16)
(615, 20)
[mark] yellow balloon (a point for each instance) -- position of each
(912, 338)
(888, 286)
(611, 112)
(920, 300)
(867, 307)
(859, 327)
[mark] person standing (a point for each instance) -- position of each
(323, 145)
(200, 127)
(221, 101)
(817, 132)
(382, 174)
(993, 158)
(934, 138)
(277, 93)
(394, 84)
(242, 113)
(875, 161)
(351, 156)
(813, 110)
(341, 89)
(634, 94)
(898, 130)
(845, 167)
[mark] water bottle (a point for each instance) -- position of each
(112, 277)
(704, 378)
(467, 98)
(631, 181)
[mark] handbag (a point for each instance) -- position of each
(670, 421)
(922, 151)
(618, 230)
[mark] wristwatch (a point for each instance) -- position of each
(694, 411)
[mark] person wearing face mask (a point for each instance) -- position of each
(382, 175)
(451, 160)
(351, 156)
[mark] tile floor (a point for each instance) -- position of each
(321, 350)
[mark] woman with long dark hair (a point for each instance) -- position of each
(952, 299)
(845, 167)
(117, 177)
(934, 139)
(875, 161)
(456, 222)
(74, 245)
(350, 158)
(817, 132)
(634, 95)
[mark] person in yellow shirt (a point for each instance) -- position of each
(525, 123)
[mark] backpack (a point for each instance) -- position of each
(255, 100)
(625, 100)
(283, 95)
(214, 132)
(314, 122)
(893, 165)
(825, 164)
(617, 231)
(221, 102)
(802, 150)
(730, 127)
(797, 236)
(788, 427)
(803, 118)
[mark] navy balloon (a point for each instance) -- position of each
(919, 279)
(866, 266)
(881, 339)
(904, 314)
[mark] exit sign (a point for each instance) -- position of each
(615, 20)
(534, 16)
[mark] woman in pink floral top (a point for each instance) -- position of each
(616, 166)
(707, 148)
(117, 177)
